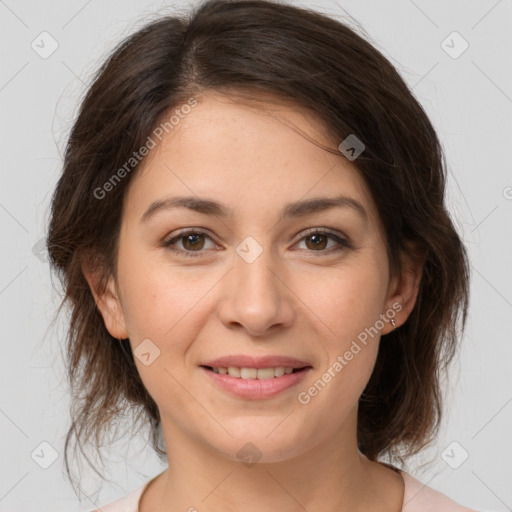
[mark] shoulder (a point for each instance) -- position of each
(420, 498)
(129, 503)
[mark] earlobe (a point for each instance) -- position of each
(108, 303)
(405, 287)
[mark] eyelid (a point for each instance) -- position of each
(186, 231)
(321, 230)
(342, 240)
(181, 234)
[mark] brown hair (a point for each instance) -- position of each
(294, 54)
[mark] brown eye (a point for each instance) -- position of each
(317, 241)
(193, 241)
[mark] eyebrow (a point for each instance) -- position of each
(291, 210)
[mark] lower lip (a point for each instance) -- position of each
(256, 389)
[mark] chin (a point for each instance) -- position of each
(262, 443)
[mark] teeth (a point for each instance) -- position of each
(234, 372)
(254, 373)
(265, 373)
(279, 371)
(248, 373)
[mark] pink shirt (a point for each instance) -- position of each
(417, 498)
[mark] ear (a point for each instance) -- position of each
(403, 288)
(108, 302)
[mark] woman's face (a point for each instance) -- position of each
(251, 280)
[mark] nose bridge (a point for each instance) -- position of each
(255, 295)
(256, 271)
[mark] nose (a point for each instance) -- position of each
(255, 296)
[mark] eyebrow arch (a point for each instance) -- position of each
(291, 210)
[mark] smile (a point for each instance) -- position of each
(255, 383)
(255, 373)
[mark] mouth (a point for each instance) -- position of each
(247, 373)
(250, 383)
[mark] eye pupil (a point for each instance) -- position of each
(195, 237)
(194, 241)
(318, 243)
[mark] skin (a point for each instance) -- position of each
(294, 299)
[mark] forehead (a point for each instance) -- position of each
(252, 157)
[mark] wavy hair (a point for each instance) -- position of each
(250, 49)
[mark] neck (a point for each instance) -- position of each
(331, 476)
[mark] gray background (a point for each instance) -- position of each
(469, 99)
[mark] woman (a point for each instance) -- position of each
(251, 231)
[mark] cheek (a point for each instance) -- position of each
(169, 307)
(347, 300)
(159, 299)
(346, 308)
(166, 307)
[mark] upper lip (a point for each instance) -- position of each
(245, 361)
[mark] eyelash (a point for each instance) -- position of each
(343, 243)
